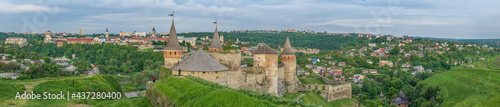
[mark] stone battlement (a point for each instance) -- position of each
(329, 92)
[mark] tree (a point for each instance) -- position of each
(394, 51)
(46, 59)
(355, 89)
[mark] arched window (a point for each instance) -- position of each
(175, 53)
(170, 53)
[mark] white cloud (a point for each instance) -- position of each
(6, 7)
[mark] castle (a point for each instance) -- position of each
(224, 68)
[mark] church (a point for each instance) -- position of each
(224, 68)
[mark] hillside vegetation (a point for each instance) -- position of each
(467, 87)
(126, 102)
(9, 90)
(313, 98)
(97, 83)
(195, 92)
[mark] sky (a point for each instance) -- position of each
(461, 19)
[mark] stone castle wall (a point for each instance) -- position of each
(329, 81)
(219, 77)
(231, 60)
(329, 92)
(172, 61)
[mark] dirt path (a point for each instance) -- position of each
(298, 97)
(31, 85)
(133, 93)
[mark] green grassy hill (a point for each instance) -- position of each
(468, 87)
(313, 98)
(126, 102)
(96, 83)
(195, 92)
(9, 90)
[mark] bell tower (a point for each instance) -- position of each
(153, 33)
(107, 36)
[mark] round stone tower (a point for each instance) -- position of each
(290, 67)
(172, 51)
(215, 45)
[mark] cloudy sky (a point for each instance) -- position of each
(477, 19)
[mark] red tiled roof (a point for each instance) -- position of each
(80, 39)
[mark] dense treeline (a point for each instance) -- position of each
(318, 41)
(109, 57)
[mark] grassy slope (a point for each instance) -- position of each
(97, 83)
(468, 87)
(9, 90)
(313, 98)
(126, 102)
(312, 81)
(494, 63)
(187, 92)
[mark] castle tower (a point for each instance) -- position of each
(153, 33)
(381, 96)
(221, 38)
(107, 36)
(290, 67)
(267, 57)
(172, 51)
(215, 46)
(121, 33)
(47, 36)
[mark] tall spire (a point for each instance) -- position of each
(287, 48)
(154, 29)
(381, 96)
(173, 42)
(215, 40)
(106, 29)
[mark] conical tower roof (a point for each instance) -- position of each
(264, 49)
(401, 94)
(106, 29)
(173, 42)
(200, 61)
(154, 29)
(381, 96)
(216, 40)
(287, 48)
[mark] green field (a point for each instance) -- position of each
(467, 87)
(9, 90)
(312, 81)
(313, 98)
(190, 91)
(97, 83)
(126, 102)
(494, 63)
